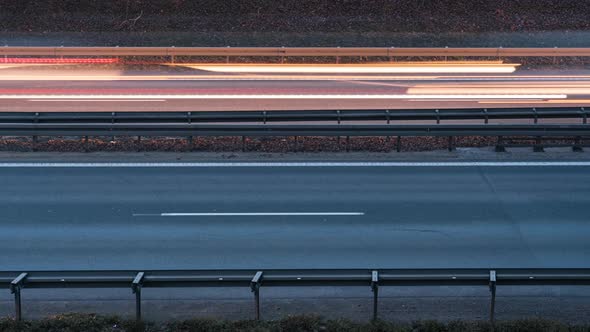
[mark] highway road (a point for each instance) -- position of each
(294, 216)
(157, 88)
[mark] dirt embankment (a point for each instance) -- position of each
(263, 144)
(94, 323)
(300, 16)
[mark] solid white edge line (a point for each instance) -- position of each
(246, 214)
(300, 164)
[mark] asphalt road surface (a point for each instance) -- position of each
(82, 89)
(294, 217)
(371, 217)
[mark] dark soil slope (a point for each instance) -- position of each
(293, 15)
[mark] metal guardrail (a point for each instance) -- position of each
(195, 130)
(257, 279)
(256, 124)
(295, 51)
(336, 116)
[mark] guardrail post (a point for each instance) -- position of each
(190, 138)
(190, 143)
(15, 288)
(296, 145)
(451, 143)
(493, 299)
(112, 123)
(347, 143)
(255, 287)
(577, 145)
(338, 122)
(35, 138)
(375, 289)
(538, 147)
(136, 287)
(388, 121)
(485, 112)
(500, 145)
(398, 147)
(243, 143)
(86, 143)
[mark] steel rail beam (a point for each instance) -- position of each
(294, 51)
(259, 130)
(291, 277)
(298, 116)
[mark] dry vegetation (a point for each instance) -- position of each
(93, 323)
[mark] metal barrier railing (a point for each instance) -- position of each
(337, 116)
(296, 51)
(257, 124)
(257, 279)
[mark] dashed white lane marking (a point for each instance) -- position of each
(246, 214)
(288, 96)
(302, 164)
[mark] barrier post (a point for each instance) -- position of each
(15, 288)
(375, 289)
(451, 143)
(538, 147)
(35, 141)
(347, 143)
(190, 143)
(577, 145)
(35, 137)
(112, 125)
(255, 287)
(493, 299)
(190, 138)
(136, 287)
(500, 145)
